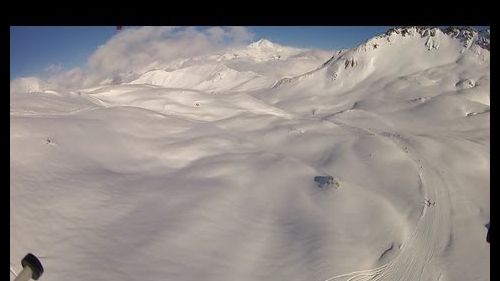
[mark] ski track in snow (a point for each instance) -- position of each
(414, 259)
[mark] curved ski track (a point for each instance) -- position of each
(431, 233)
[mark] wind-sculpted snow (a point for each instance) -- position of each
(159, 182)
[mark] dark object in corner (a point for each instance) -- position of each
(32, 268)
(488, 236)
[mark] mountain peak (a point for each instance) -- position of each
(413, 30)
(466, 34)
(262, 43)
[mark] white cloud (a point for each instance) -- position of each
(216, 33)
(53, 68)
(241, 34)
(136, 49)
(68, 79)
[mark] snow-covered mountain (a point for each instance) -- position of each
(208, 77)
(206, 167)
(406, 50)
(256, 66)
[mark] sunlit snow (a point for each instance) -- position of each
(205, 170)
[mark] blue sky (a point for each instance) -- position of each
(322, 37)
(34, 49)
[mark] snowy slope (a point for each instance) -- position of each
(161, 179)
(209, 77)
